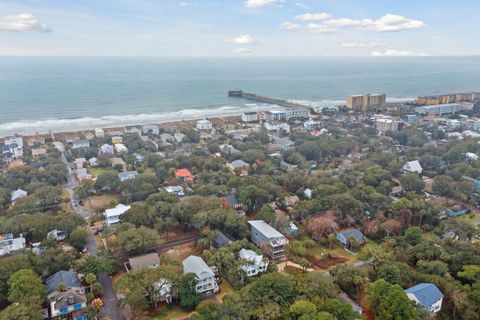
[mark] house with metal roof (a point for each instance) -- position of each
(344, 236)
(268, 238)
(254, 262)
(238, 166)
(9, 244)
(127, 175)
(412, 167)
(112, 215)
(206, 282)
(18, 194)
(427, 295)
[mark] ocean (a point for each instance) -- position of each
(39, 94)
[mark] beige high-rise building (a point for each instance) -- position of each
(366, 102)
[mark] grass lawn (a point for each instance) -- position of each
(171, 312)
(96, 171)
(95, 203)
(225, 288)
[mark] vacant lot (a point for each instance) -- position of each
(99, 203)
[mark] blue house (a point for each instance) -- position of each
(427, 295)
(344, 236)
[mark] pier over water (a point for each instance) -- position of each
(263, 99)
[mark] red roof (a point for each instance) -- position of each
(183, 173)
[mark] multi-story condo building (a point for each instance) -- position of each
(269, 239)
(366, 102)
(387, 124)
(439, 109)
(448, 98)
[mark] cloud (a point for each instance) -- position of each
(302, 5)
(320, 28)
(290, 26)
(254, 4)
(242, 51)
(387, 23)
(22, 23)
(243, 39)
(398, 53)
(313, 16)
(185, 4)
(360, 45)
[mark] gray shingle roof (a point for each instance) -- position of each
(69, 278)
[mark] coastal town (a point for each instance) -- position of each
(367, 210)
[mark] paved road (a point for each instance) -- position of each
(110, 308)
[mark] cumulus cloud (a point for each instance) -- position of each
(290, 26)
(313, 16)
(387, 23)
(254, 4)
(22, 23)
(398, 53)
(360, 45)
(242, 51)
(302, 5)
(320, 28)
(243, 39)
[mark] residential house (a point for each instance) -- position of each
(70, 302)
(229, 150)
(57, 235)
(185, 175)
(120, 148)
(11, 152)
(167, 138)
(231, 201)
(18, 140)
(277, 126)
(82, 174)
(412, 167)
(179, 137)
(310, 125)
(39, 153)
(238, 166)
(118, 162)
(34, 141)
(249, 117)
(308, 193)
(116, 132)
(9, 244)
(291, 200)
(138, 157)
(89, 135)
(254, 263)
(204, 125)
(117, 139)
(151, 129)
(133, 130)
(99, 133)
(127, 175)
(93, 162)
(175, 190)
(284, 143)
(149, 260)
(427, 295)
(78, 144)
(18, 194)
(206, 282)
(106, 149)
(269, 239)
(221, 239)
(344, 237)
(79, 163)
(112, 215)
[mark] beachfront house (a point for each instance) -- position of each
(254, 263)
(179, 137)
(127, 175)
(345, 237)
(269, 239)
(35, 141)
(9, 244)
(133, 130)
(427, 296)
(204, 125)
(144, 261)
(238, 166)
(82, 143)
(206, 282)
(117, 139)
(99, 133)
(18, 194)
(412, 167)
(112, 215)
(249, 117)
(150, 129)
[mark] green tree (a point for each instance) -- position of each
(189, 297)
(302, 309)
(21, 311)
(26, 286)
(412, 182)
(443, 186)
(389, 302)
(96, 265)
(78, 238)
(272, 287)
(137, 240)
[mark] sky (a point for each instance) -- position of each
(246, 28)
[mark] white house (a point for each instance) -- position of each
(204, 125)
(249, 117)
(99, 133)
(127, 175)
(57, 235)
(175, 190)
(93, 162)
(106, 149)
(310, 125)
(10, 244)
(412, 167)
(427, 295)
(206, 282)
(179, 137)
(120, 148)
(18, 194)
(112, 215)
(255, 263)
(78, 144)
(150, 129)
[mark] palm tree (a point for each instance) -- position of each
(331, 240)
